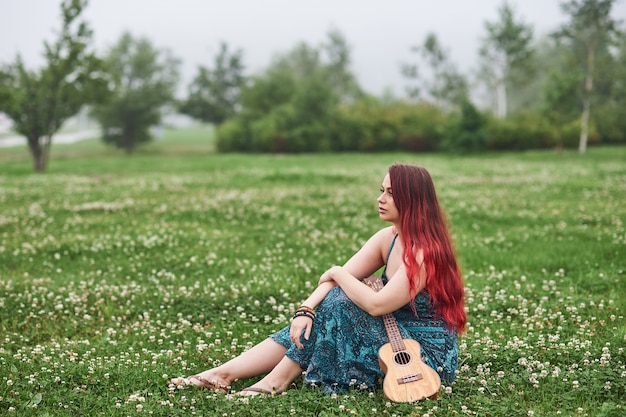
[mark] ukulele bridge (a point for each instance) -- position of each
(410, 378)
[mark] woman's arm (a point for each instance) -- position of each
(305, 324)
(361, 265)
(393, 295)
(371, 256)
(318, 294)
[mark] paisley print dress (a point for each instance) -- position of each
(342, 351)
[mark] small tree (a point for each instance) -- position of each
(144, 80)
(590, 27)
(290, 107)
(338, 74)
(39, 102)
(447, 87)
(469, 133)
(507, 56)
(609, 118)
(214, 93)
(560, 95)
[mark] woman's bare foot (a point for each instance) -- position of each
(254, 391)
(204, 380)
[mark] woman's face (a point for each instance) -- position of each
(386, 207)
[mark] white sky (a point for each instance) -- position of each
(379, 32)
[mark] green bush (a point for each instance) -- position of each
(297, 121)
(312, 122)
(370, 125)
(520, 132)
(265, 134)
(468, 132)
(422, 127)
(571, 135)
(346, 131)
(232, 136)
(363, 126)
(611, 123)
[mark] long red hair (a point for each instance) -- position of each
(423, 226)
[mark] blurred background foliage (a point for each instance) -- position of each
(564, 90)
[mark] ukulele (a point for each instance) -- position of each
(407, 377)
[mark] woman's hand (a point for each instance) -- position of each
(299, 325)
(328, 276)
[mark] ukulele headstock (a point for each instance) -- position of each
(375, 283)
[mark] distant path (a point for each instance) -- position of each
(58, 138)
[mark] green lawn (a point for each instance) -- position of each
(119, 272)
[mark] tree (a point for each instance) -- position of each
(447, 87)
(39, 102)
(590, 27)
(290, 107)
(214, 93)
(340, 78)
(468, 134)
(507, 56)
(298, 69)
(610, 93)
(144, 81)
(560, 95)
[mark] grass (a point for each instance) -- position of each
(118, 272)
(195, 138)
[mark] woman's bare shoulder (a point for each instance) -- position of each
(384, 236)
(386, 232)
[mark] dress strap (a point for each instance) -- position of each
(390, 249)
(384, 276)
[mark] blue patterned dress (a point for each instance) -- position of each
(342, 351)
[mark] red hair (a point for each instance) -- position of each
(423, 226)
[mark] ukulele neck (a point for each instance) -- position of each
(395, 338)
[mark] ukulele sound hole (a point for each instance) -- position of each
(402, 358)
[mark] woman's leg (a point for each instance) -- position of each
(260, 359)
(278, 380)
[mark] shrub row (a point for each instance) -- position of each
(370, 126)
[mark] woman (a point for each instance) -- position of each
(337, 344)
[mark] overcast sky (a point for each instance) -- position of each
(379, 32)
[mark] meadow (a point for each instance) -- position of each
(119, 272)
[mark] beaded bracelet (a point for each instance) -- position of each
(305, 311)
(304, 314)
(306, 308)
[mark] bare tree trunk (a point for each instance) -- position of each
(37, 153)
(501, 73)
(40, 151)
(584, 127)
(128, 143)
(46, 152)
(584, 120)
(501, 99)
